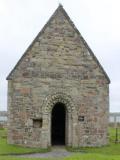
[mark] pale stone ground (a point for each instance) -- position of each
(57, 152)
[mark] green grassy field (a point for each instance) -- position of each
(110, 152)
(111, 149)
(6, 149)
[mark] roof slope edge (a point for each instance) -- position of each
(32, 43)
(60, 7)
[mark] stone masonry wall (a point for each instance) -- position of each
(58, 62)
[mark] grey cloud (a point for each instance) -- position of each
(21, 21)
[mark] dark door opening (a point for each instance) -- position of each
(58, 124)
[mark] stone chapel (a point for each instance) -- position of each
(58, 92)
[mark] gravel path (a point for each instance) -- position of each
(56, 152)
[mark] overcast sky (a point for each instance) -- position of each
(97, 20)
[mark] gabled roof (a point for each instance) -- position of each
(60, 8)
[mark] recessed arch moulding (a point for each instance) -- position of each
(71, 117)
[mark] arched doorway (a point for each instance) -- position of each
(58, 119)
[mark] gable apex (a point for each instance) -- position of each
(60, 9)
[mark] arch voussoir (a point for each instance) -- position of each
(51, 100)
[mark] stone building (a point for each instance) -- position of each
(58, 92)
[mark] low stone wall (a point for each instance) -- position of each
(114, 125)
(3, 124)
(3, 119)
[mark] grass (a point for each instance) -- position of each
(110, 152)
(93, 156)
(6, 149)
(111, 149)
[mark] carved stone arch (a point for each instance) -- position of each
(71, 118)
(64, 98)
